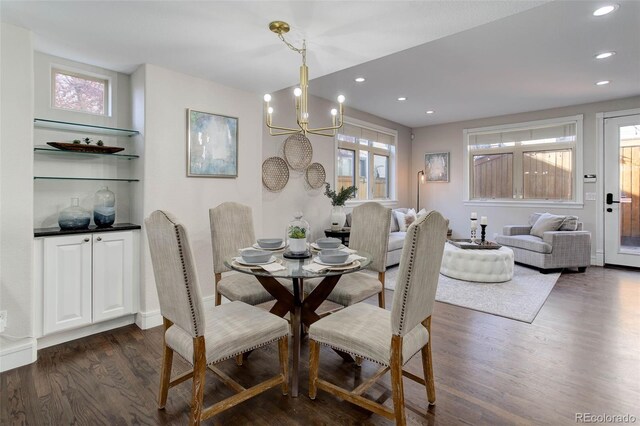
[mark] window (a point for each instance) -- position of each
(78, 92)
(535, 162)
(374, 171)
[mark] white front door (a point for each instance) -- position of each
(622, 190)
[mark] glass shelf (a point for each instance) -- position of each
(83, 128)
(47, 150)
(84, 178)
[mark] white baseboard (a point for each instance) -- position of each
(146, 320)
(77, 333)
(598, 259)
(18, 355)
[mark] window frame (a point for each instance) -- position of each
(391, 154)
(87, 75)
(577, 160)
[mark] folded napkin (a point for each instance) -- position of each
(273, 267)
(315, 267)
(348, 250)
(353, 257)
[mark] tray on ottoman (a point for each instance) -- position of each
(467, 244)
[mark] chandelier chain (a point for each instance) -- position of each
(302, 51)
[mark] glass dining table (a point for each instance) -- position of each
(302, 310)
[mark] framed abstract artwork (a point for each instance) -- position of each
(212, 145)
(437, 166)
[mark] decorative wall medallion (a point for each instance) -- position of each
(298, 151)
(315, 175)
(275, 174)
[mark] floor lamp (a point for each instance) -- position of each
(420, 180)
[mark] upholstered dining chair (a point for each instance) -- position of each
(204, 338)
(370, 233)
(389, 338)
(232, 230)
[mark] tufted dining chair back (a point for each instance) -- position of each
(418, 273)
(175, 274)
(231, 230)
(370, 232)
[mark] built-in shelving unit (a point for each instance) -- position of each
(83, 128)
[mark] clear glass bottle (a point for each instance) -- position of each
(104, 208)
(298, 233)
(74, 216)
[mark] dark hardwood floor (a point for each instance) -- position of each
(580, 355)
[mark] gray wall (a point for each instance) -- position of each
(447, 197)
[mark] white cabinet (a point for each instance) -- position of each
(87, 278)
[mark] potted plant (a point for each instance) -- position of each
(338, 216)
(297, 232)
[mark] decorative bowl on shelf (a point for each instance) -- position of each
(85, 148)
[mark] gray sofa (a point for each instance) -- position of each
(396, 239)
(555, 250)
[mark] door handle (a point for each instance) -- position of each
(99, 239)
(610, 199)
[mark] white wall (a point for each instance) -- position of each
(51, 196)
(167, 96)
(16, 195)
(279, 207)
(447, 197)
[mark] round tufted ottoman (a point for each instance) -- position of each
(486, 266)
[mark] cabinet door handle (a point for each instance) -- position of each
(99, 239)
(86, 240)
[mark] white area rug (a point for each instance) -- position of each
(519, 299)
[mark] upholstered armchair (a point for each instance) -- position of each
(549, 242)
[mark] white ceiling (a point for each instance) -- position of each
(481, 58)
(538, 59)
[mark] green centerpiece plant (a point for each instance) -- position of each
(338, 199)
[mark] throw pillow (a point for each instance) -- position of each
(405, 219)
(421, 213)
(570, 224)
(546, 222)
(533, 218)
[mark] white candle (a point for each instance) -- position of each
(474, 215)
(483, 220)
(474, 225)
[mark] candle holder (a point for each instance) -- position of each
(474, 227)
(483, 233)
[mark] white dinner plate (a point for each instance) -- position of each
(257, 246)
(317, 260)
(240, 261)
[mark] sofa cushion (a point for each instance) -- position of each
(405, 219)
(526, 242)
(396, 240)
(546, 222)
(570, 223)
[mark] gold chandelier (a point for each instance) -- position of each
(301, 96)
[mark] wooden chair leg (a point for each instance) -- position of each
(199, 370)
(239, 359)
(283, 353)
(397, 387)
(358, 361)
(427, 366)
(217, 278)
(381, 278)
(314, 361)
(165, 372)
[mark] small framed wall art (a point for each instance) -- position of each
(212, 145)
(437, 166)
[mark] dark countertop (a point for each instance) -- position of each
(55, 231)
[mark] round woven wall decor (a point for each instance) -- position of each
(315, 175)
(275, 173)
(298, 151)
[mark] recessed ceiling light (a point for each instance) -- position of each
(402, 98)
(605, 55)
(604, 10)
(602, 83)
(430, 111)
(360, 79)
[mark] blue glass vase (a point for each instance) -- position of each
(74, 216)
(104, 209)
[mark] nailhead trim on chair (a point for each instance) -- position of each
(353, 354)
(412, 254)
(184, 273)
